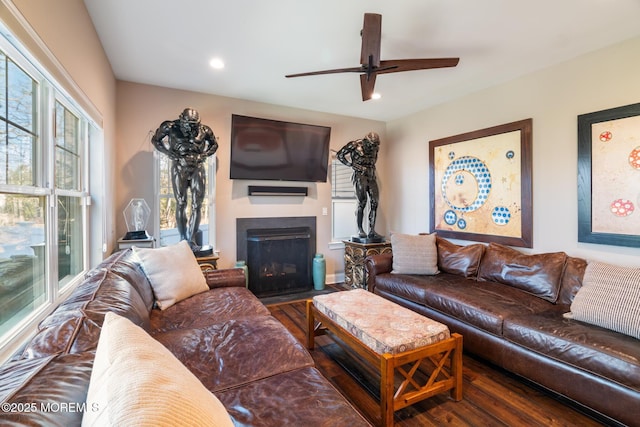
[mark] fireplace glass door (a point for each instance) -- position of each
(279, 261)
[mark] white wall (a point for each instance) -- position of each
(141, 109)
(553, 97)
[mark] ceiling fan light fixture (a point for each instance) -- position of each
(216, 63)
(376, 95)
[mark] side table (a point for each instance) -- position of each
(355, 274)
(209, 262)
(141, 243)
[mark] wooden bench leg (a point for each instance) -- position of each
(387, 376)
(310, 326)
(456, 368)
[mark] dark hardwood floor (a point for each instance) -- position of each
(492, 397)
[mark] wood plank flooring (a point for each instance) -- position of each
(492, 397)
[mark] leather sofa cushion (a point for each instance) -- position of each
(571, 279)
(537, 274)
(456, 259)
(53, 380)
(236, 352)
(409, 287)
(298, 398)
(125, 264)
(75, 334)
(74, 327)
(483, 305)
(609, 354)
(213, 306)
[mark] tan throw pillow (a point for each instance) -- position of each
(610, 298)
(414, 254)
(136, 381)
(173, 272)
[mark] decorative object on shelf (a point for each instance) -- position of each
(609, 176)
(480, 185)
(136, 216)
(188, 144)
(319, 272)
(355, 274)
(243, 265)
(361, 155)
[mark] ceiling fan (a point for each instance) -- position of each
(371, 65)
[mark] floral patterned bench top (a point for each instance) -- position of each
(382, 325)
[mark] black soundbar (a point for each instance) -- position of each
(265, 190)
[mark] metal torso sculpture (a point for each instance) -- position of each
(361, 155)
(188, 144)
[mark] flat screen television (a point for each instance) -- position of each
(264, 149)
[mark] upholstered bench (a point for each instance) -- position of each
(397, 340)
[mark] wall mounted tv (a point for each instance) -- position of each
(264, 149)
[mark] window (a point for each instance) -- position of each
(43, 189)
(68, 191)
(343, 201)
(166, 204)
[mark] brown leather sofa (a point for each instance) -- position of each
(509, 308)
(225, 336)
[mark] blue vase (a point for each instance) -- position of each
(243, 265)
(319, 272)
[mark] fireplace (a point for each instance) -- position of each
(278, 252)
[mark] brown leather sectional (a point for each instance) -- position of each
(508, 306)
(225, 336)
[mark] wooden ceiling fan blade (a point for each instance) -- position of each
(366, 85)
(416, 64)
(334, 71)
(371, 34)
(371, 65)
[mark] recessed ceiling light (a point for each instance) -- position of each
(376, 95)
(217, 63)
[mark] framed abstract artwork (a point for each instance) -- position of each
(609, 176)
(480, 185)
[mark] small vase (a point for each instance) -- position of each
(243, 265)
(319, 272)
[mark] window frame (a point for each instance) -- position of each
(47, 94)
(211, 194)
(341, 197)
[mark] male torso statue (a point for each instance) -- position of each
(361, 155)
(188, 144)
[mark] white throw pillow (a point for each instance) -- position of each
(173, 272)
(610, 298)
(136, 381)
(414, 254)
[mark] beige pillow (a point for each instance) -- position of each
(136, 381)
(414, 254)
(173, 272)
(610, 298)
